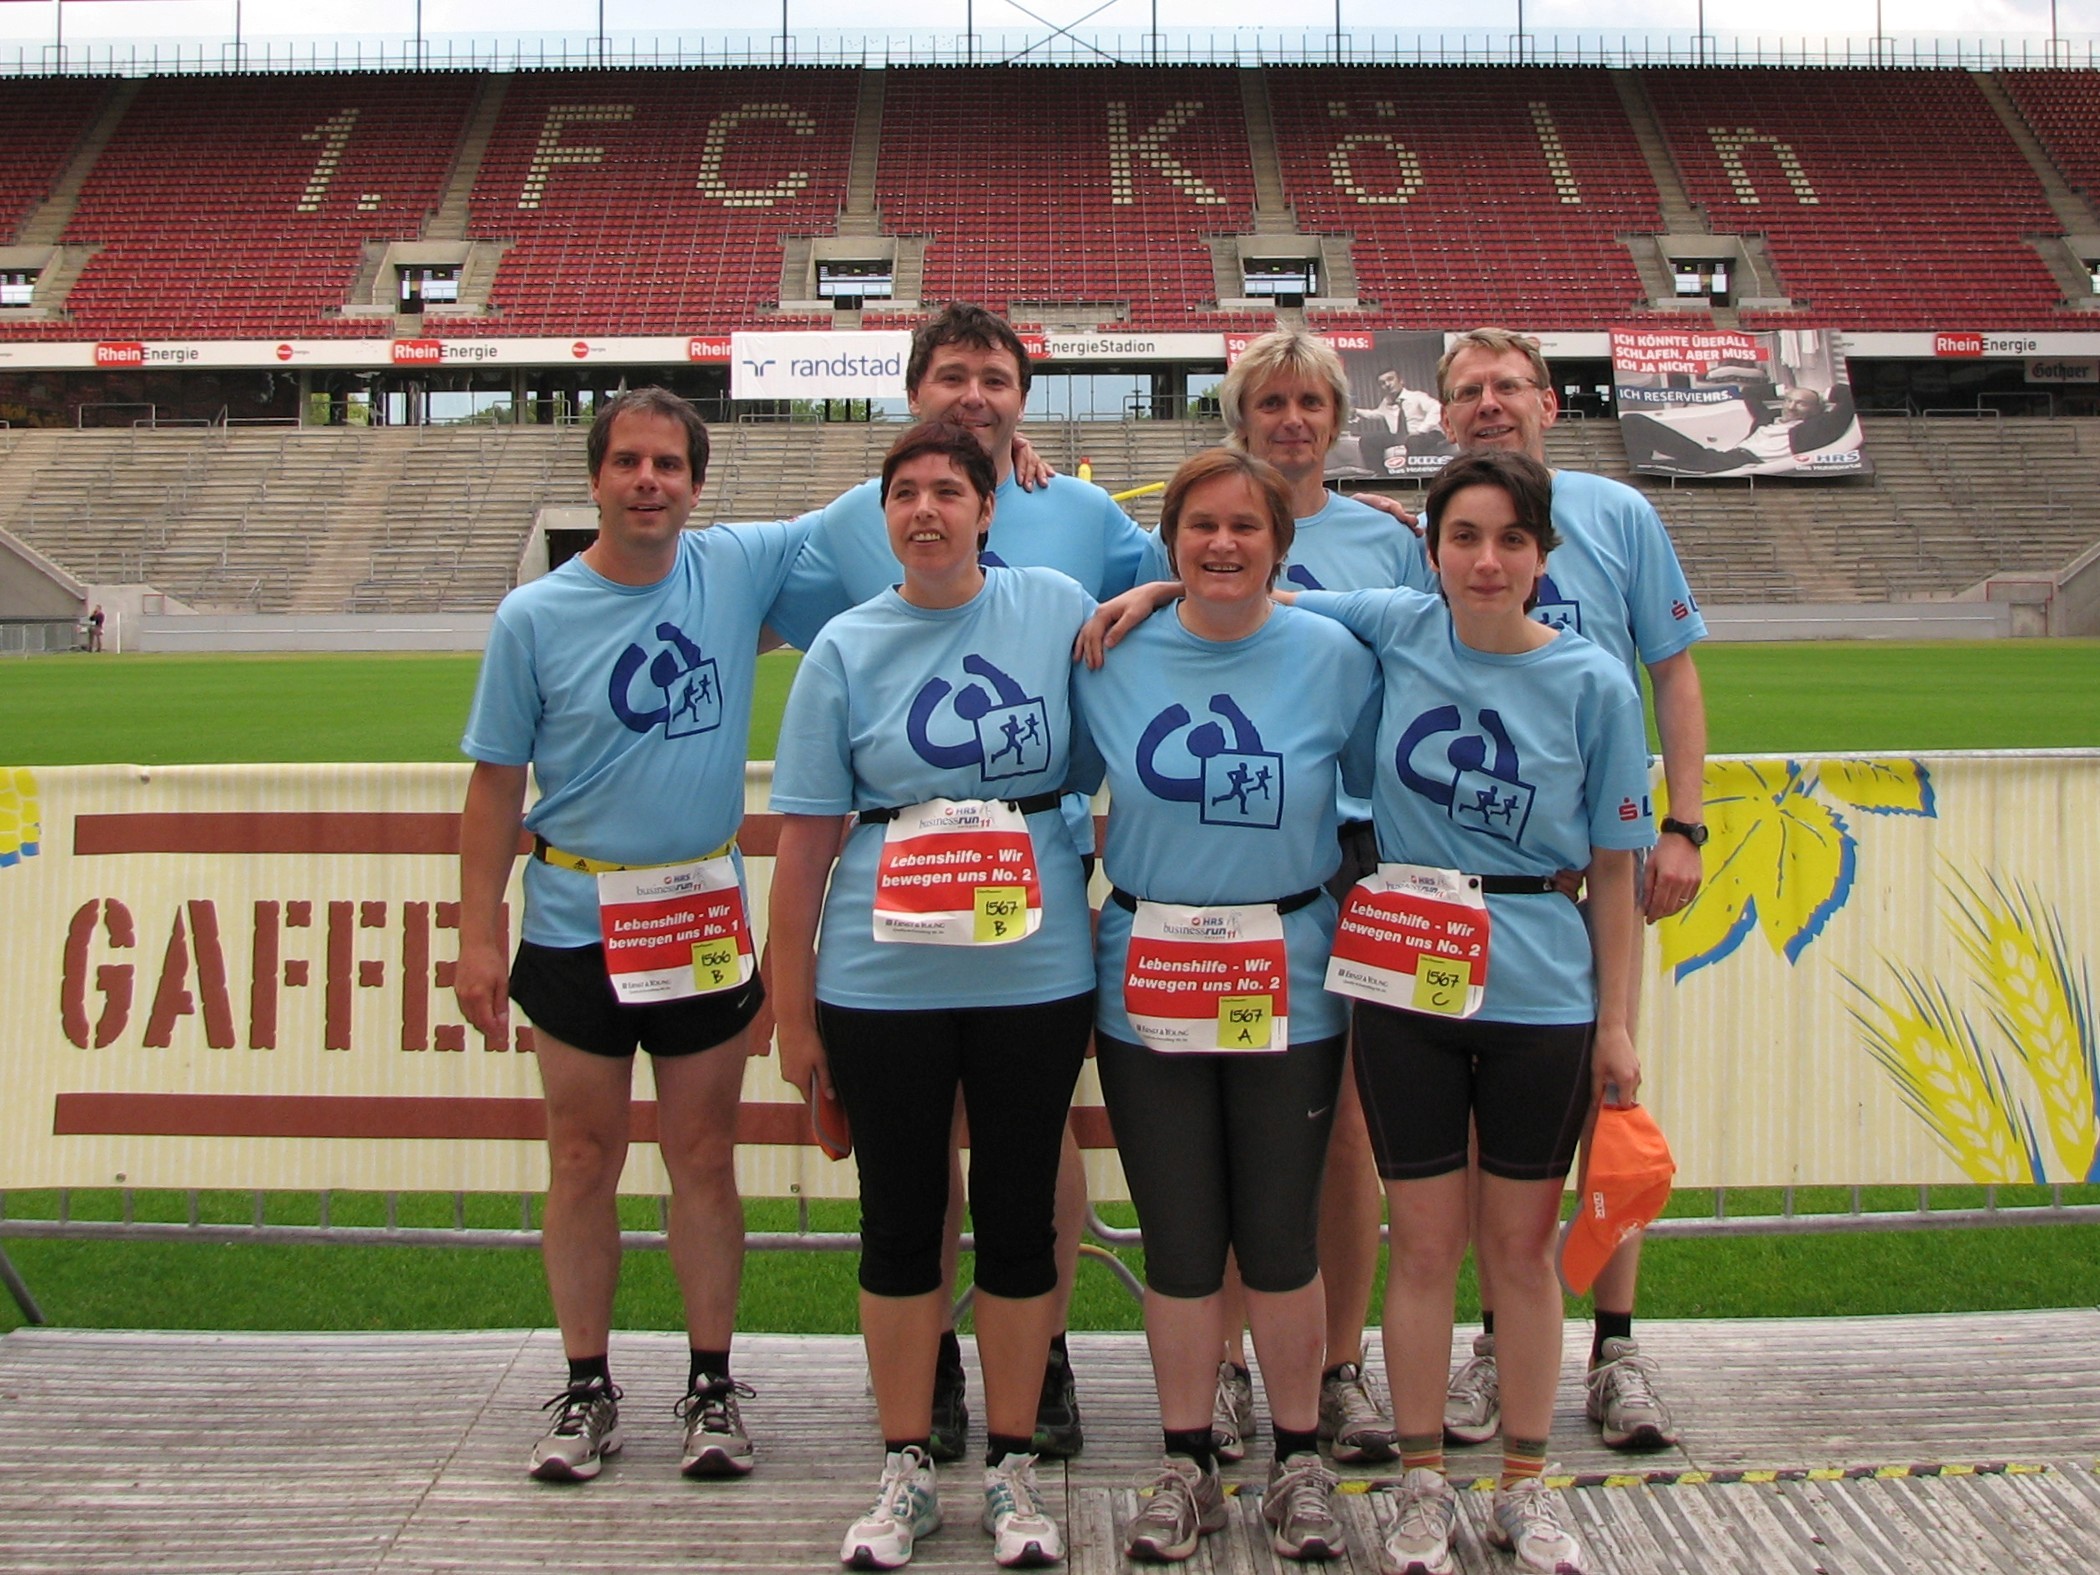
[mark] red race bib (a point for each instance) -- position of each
(1413, 937)
(957, 872)
(1208, 980)
(674, 931)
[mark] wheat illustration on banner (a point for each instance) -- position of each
(1781, 855)
(2008, 1082)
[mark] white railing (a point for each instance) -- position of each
(1223, 46)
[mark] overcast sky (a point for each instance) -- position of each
(32, 22)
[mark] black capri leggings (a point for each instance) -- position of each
(1224, 1151)
(896, 1073)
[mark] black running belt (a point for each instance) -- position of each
(1290, 904)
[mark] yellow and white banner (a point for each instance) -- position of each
(238, 977)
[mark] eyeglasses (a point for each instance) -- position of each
(1504, 387)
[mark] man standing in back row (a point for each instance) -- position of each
(1614, 579)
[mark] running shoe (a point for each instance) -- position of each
(907, 1507)
(1232, 1413)
(1353, 1422)
(1473, 1402)
(951, 1409)
(1526, 1521)
(1622, 1398)
(1183, 1505)
(586, 1429)
(716, 1444)
(1023, 1534)
(1298, 1505)
(1058, 1435)
(1418, 1541)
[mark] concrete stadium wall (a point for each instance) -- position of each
(314, 632)
(469, 631)
(1861, 621)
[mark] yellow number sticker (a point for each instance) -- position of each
(1244, 1021)
(715, 963)
(1441, 984)
(1002, 914)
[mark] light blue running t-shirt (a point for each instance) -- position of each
(1222, 760)
(1070, 525)
(632, 705)
(1350, 546)
(1614, 579)
(896, 704)
(1503, 765)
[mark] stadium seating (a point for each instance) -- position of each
(1888, 199)
(2063, 110)
(653, 202)
(41, 121)
(239, 206)
(1094, 185)
(1474, 194)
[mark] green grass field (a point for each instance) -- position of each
(180, 710)
(1830, 697)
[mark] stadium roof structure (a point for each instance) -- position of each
(41, 36)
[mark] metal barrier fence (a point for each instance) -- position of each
(1785, 1221)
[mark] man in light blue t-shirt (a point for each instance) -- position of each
(1614, 579)
(968, 365)
(622, 683)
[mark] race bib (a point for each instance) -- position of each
(675, 931)
(957, 872)
(1208, 980)
(1413, 937)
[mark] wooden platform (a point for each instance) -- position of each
(129, 1452)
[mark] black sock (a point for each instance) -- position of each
(950, 1354)
(1487, 1320)
(1610, 1326)
(1289, 1443)
(1198, 1444)
(997, 1446)
(1240, 1368)
(587, 1370)
(1058, 1353)
(893, 1445)
(706, 1364)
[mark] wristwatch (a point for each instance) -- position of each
(1692, 831)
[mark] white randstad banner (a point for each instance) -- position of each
(818, 365)
(239, 977)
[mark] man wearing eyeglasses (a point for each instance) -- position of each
(1614, 579)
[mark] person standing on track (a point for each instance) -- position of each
(622, 682)
(938, 714)
(1614, 579)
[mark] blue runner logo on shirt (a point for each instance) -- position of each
(1475, 777)
(1237, 786)
(1555, 609)
(1302, 577)
(1009, 728)
(687, 682)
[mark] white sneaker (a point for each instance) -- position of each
(1473, 1402)
(1023, 1534)
(1183, 1505)
(1298, 1504)
(907, 1507)
(1526, 1521)
(1621, 1398)
(1418, 1542)
(586, 1429)
(1232, 1414)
